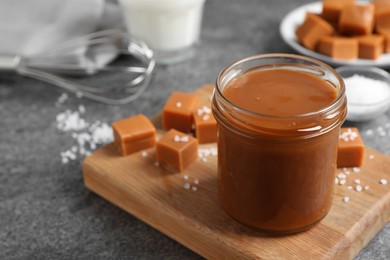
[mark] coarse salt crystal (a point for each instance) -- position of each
(358, 188)
(346, 199)
(356, 169)
(366, 187)
(184, 138)
(176, 138)
(341, 176)
(342, 182)
(383, 181)
(81, 109)
(349, 187)
(144, 153)
(185, 177)
(187, 186)
(371, 156)
(206, 117)
(70, 121)
(194, 188)
(369, 132)
(93, 134)
(336, 180)
(196, 181)
(179, 104)
(357, 181)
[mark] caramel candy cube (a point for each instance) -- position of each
(350, 150)
(371, 46)
(357, 19)
(382, 15)
(331, 9)
(134, 134)
(177, 112)
(342, 48)
(205, 125)
(386, 37)
(312, 29)
(176, 150)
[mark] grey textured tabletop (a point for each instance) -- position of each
(47, 213)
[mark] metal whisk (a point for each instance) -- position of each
(116, 53)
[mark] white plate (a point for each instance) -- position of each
(295, 18)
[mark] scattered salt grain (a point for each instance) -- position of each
(196, 181)
(179, 104)
(185, 177)
(366, 187)
(346, 199)
(383, 181)
(358, 188)
(183, 139)
(144, 153)
(82, 109)
(336, 180)
(176, 138)
(357, 181)
(349, 187)
(194, 188)
(342, 182)
(348, 135)
(187, 186)
(341, 176)
(206, 152)
(61, 99)
(70, 121)
(203, 110)
(86, 136)
(356, 169)
(369, 132)
(206, 118)
(371, 156)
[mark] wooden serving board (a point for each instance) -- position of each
(194, 217)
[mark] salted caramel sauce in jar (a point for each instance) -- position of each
(279, 117)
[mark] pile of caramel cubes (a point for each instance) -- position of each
(348, 30)
(182, 117)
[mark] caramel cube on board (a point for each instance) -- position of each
(386, 37)
(134, 134)
(176, 151)
(357, 19)
(350, 151)
(337, 47)
(312, 29)
(331, 9)
(205, 125)
(371, 46)
(177, 112)
(382, 15)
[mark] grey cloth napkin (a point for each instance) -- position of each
(29, 28)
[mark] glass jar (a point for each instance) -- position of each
(276, 173)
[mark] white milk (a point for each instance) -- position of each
(168, 26)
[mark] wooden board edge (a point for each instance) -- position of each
(210, 248)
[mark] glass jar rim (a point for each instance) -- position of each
(331, 106)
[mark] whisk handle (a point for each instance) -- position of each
(9, 62)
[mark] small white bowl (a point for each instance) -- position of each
(358, 110)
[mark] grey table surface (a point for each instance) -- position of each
(45, 210)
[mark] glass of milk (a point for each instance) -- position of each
(170, 27)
